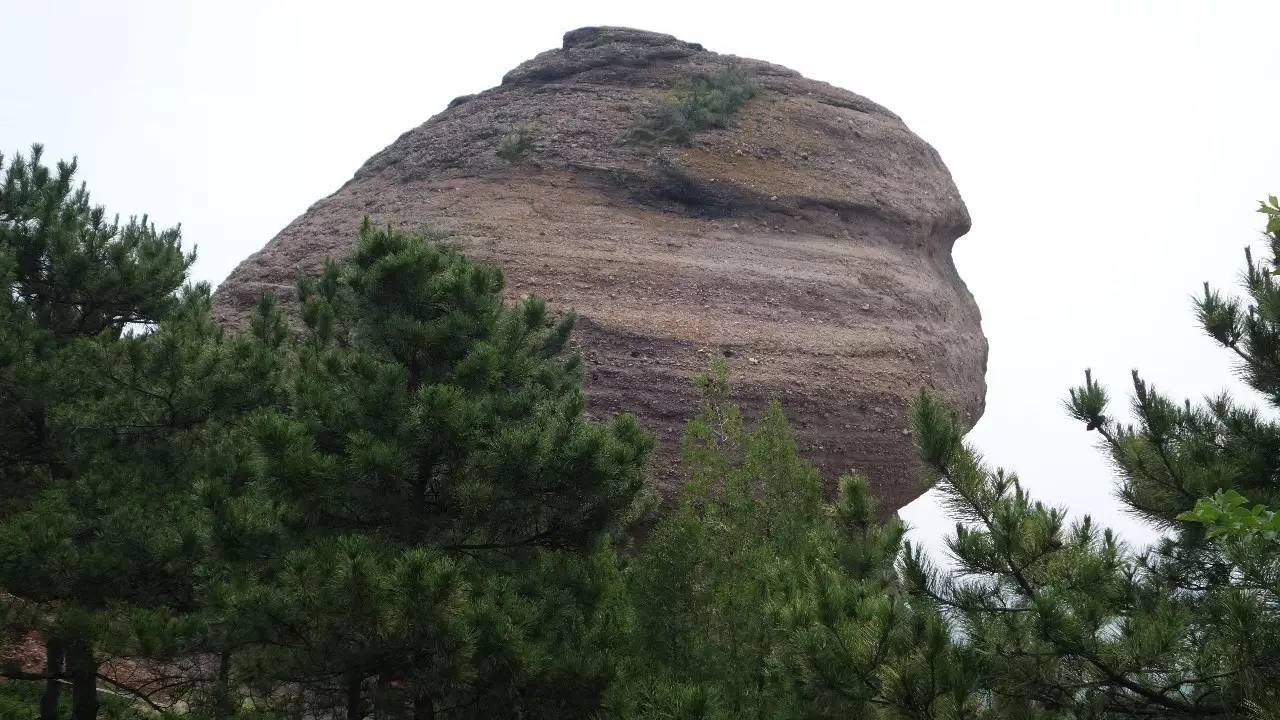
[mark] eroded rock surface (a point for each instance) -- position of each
(809, 243)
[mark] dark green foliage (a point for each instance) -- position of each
(402, 510)
(75, 283)
(516, 144)
(19, 700)
(71, 277)
(755, 598)
(709, 102)
(118, 398)
(430, 500)
(1075, 624)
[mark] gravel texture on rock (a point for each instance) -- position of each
(809, 243)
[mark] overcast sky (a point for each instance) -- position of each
(1111, 153)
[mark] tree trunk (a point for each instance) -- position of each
(355, 698)
(223, 708)
(53, 658)
(424, 708)
(83, 669)
(381, 693)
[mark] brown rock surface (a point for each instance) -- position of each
(809, 242)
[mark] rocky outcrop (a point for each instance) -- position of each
(809, 242)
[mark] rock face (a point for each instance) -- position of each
(809, 243)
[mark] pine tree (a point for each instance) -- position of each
(1074, 623)
(756, 598)
(116, 390)
(74, 279)
(429, 506)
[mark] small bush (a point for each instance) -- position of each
(708, 103)
(516, 144)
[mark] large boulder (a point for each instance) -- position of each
(808, 242)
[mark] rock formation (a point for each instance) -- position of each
(808, 242)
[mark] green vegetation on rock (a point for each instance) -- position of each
(709, 102)
(516, 144)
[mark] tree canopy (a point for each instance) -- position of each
(391, 502)
(1072, 622)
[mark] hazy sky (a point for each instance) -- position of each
(1111, 153)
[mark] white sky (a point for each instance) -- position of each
(1111, 153)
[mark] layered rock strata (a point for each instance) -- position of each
(808, 242)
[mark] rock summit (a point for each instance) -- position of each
(806, 239)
